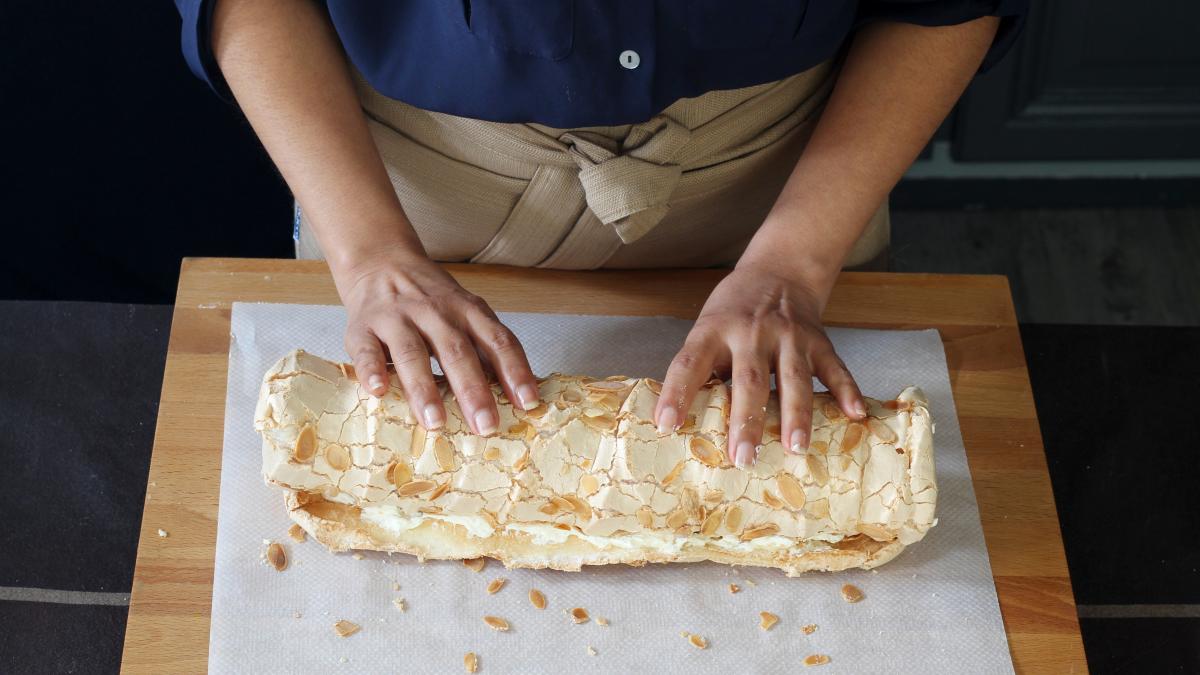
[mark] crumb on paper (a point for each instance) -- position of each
(162, 532)
(395, 585)
(591, 650)
(357, 556)
(400, 604)
(297, 614)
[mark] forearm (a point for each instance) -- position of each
(897, 84)
(285, 66)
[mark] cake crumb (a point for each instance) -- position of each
(162, 533)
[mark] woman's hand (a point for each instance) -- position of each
(403, 305)
(754, 322)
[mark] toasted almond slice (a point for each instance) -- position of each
(816, 660)
(585, 463)
(491, 453)
(714, 496)
(521, 462)
(607, 385)
(580, 507)
(549, 508)
(897, 405)
(809, 629)
(475, 564)
(697, 641)
(443, 452)
(579, 615)
(588, 484)
(415, 487)
(654, 386)
(401, 473)
(733, 518)
(345, 628)
(851, 593)
(881, 430)
(673, 473)
(439, 491)
(734, 588)
(537, 411)
(601, 423)
(645, 517)
(676, 519)
(767, 620)
(495, 585)
(790, 490)
(306, 444)
(330, 492)
(771, 500)
(297, 533)
(277, 556)
(537, 598)
(817, 468)
(820, 446)
(470, 662)
(853, 436)
(496, 623)
(818, 508)
(517, 430)
(764, 530)
(562, 503)
(704, 450)
(830, 410)
(337, 456)
(712, 523)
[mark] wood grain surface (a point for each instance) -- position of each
(172, 586)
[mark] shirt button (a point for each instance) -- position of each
(629, 59)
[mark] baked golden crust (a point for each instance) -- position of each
(586, 479)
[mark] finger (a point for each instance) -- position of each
(793, 379)
(370, 364)
(456, 353)
(689, 370)
(751, 379)
(830, 369)
(504, 352)
(410, 357)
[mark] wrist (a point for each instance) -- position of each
(786, 250)
(350, 261)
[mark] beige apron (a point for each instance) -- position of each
(687, 188)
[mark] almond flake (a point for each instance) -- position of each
(673, 473)
(897, 405)
(401, 473)
(607, 385)
(712, 523)
(588, 485)
(654, 386)
(277, 557)
(470, 662)
(809, 629)
(676, 519)
(579, 615)
(704, 450)
(549, 508)
(734, 588)
(698, 642)
(521, 462)
(714, 496)
(645, 517)
(439, 491)
(491, 453)
(790, 490)
(771, 500)
(496, 585)
(415, 487)
(345, 628)
(337, 457)
(763, 530)
(733, 518)
(820, 446)
(852, 437)
(601, 422)
(817, 469)
(537, 598)
(475, 564)
(443, 452)
(496, 623)
(851, 593)
(767, 620)
(816, 660)
(297, 533)
(881, 430)
(306, 444)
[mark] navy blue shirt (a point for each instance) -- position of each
(572, 63)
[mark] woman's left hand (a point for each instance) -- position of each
(755, 322)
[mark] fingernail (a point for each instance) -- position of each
(860, 409)
(432, 415)
(799, 442)
(744, 456)
(666, 421)
(485, 423)
(376, 383)
(528, 395)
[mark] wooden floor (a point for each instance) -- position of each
(1067, 266)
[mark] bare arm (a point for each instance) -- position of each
(898, 82)
(284, 63)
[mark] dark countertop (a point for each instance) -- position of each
(80, 394)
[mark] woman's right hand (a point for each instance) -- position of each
(404, 306)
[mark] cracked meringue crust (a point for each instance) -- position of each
(585, 478)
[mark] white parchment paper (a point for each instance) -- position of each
(932, 610)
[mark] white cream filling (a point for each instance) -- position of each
(392, 519)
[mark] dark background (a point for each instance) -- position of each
(117, 162)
